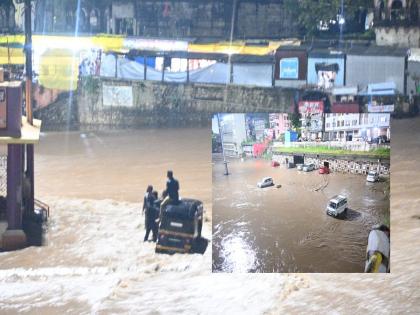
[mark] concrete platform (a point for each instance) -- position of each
(13, 240)
(30, 134)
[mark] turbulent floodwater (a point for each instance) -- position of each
(286, 229)
(96, 262)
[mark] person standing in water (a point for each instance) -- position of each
(148, 209)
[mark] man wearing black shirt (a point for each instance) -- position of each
(172, 187)
(148, 209)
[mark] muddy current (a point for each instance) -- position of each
(95, 261)
(286, 229)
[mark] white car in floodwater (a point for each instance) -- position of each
(337, 205)
(265, 182)
(308, 167)
(372, 176)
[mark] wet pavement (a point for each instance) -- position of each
(286, 229)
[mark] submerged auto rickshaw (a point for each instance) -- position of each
(180, 227)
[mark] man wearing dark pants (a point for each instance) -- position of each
(172, 187)
(148, 209)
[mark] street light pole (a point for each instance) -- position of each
(223, 148)
(28, 98)
(28, 63)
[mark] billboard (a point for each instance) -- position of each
(311, 107)
(289, 68)
(327, 74)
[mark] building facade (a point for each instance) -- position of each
(353, 127)
(233, 131)
(238, 19)
(279, 123)
(397, 22)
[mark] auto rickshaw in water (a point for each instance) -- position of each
(180, 227)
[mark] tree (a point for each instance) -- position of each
(295, 120)
(313, 13)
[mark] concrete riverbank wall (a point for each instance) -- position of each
(102, 103)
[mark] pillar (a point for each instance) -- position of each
(14, 186)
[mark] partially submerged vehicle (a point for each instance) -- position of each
(299, 166)
(180, 227)
(275, 164)
(265, 182)
(378, 250)
(308, 167)
(337, 205)
(324, 170)
(290, 165)
(372, 176)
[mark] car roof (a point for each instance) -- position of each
(337, 198)
(266, 178)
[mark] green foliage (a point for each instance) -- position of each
(309, 13)
(295, 120)
(281, 137)
(380, 152)
(90, 85)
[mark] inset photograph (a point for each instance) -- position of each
(304, 192)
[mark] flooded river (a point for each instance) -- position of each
(96, 263)
(286, 229)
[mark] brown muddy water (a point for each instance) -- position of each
(120, 164)
(286, 229)
(96, 263)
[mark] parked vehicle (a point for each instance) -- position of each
(337, 205)
(308, 167)
(180, 227)
(372, 176)
(299, 167)
(275, 164)
(265, 182)
(324, 170)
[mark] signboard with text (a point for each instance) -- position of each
(289, 68)
(372, 108)
(311, 107)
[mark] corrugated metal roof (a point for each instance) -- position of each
(377, 51)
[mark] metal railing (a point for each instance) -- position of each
(43, 206)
